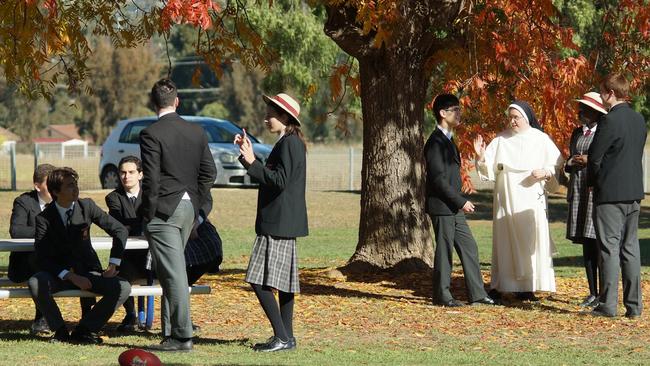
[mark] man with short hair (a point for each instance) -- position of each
(124, 205)
(22, 265)
(178, 173)
(67, 259)
(615, 172)
(447, 206)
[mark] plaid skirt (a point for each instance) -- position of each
(274, 263)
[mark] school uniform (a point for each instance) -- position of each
(62, 244)
(281, 215)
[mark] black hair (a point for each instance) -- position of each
(163, 93)
(444, 101)
(131, 159)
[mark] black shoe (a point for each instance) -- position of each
(39, 327)
(263, 344)
(526, 296)
(61, 336)
(196, 329)
(129, 324)
(83, 336)
(484, 301)
(453, 303)
(598, 311)
(171, 344)
(494, 295)
(589, 302)
(630, 315)
(275, 345)
(292, 342)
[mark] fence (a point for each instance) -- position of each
(335, 168)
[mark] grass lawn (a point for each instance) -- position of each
(367, 320)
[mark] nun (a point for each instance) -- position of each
(524, 163)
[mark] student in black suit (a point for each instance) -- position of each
(178, 173)
(616, 173)
(281, 217)
(22, 265)
(68, 261)
(123, 204)
(447, 206)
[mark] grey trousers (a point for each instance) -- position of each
(453, 232)
(616, 230)
(114, 290)
(167, 241)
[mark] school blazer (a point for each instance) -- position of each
(120, 208)
(281, 206)
(614, 166)
(58, 248)
(175, 159)
(23, 216)
(443, 184)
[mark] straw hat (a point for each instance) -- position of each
(287, 104)
(593, 101)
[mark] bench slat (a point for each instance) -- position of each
(100, 242)
(12, 293)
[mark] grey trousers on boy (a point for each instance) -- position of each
(167, 241)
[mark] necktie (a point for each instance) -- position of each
(68, 215)
(132, 199)
(587, 133)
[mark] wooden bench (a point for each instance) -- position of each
(11, 290)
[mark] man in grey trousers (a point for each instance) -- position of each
(615, 172)
(178, 173)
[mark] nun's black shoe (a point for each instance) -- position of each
(526, 296)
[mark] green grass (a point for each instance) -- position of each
(379, 320)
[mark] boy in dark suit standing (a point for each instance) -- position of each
(22, 265)
(614, 169)
(446, 206)
(124, 205)
(68, 261)
(178, 173)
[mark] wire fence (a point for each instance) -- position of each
(335, 168)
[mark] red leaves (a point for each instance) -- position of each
(195, 12)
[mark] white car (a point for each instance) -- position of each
(125, 140)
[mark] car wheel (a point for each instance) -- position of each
(110, 177)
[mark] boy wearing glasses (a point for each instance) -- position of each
(446, 206)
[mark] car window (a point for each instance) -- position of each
(229, 130)
(131, 133)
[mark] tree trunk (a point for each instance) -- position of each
(394, 230)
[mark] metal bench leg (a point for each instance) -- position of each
(150, 305)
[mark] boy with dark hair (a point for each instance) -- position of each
(22, 265)
(67, 259)
(446, 206)
(124, 205)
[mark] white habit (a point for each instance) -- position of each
(521, 241)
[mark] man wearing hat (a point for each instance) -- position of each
(178, 173)
(615, 172)
(580, 224)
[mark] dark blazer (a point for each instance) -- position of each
(120, 207)
(58, 248)
(614, 166)
(175, 159)
(23, 226)
(281, 206)
(444, 184)
(23, 216)
(573, 150)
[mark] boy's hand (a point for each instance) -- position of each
(111, 271)
(80, 281)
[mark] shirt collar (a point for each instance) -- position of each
(164, 113)
(41, 202)
(448, 134)
(129, 194)
(63, 210)
(585, 128)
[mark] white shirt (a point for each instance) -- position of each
(41, 203)
(585, 128)
(448, 134)
(64, 219)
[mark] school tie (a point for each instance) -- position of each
(68, 215)
(132, 199)
(587, 133)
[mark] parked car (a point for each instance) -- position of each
(124, 140)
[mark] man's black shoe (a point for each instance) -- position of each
(276, 345)
(630, 315)
(61, 336)
(453, 303)
(484, 301)
(84, 336)
(174, 345)
(598, 311)
(129, 324)
(39, 327)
